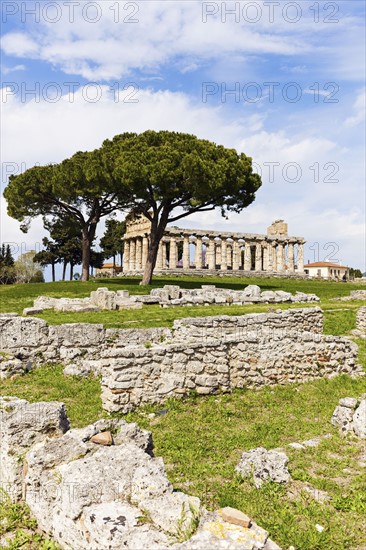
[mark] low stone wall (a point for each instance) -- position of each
(206, 354)
(167, 296)
(361, 320)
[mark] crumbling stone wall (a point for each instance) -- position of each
(206, 354)
(361, 320)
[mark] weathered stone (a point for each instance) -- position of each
(343, 417)
(103, 438)
(262, 466)
(22, 425)
(32, 311)
(359, 420)
(234, 516)
(349, 402)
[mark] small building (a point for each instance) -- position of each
(326, 270)
(108, 270)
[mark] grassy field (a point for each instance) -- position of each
(201, 438)
(338, 315)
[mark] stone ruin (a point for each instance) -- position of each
(360, 330)
(353, 295)
(202, 354)
(101, 487)
(350, 416)
(168, 296)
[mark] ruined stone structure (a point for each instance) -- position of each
(207, 354)
(215, 251)
(167, 296)
(101, 487)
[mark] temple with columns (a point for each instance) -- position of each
(191, 251)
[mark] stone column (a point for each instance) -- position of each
(126, 256)
(186, 261)
(211, 252)
(173, 253)
(265, 256)
(235, 255)
(132, 255)
(291, 257)
(223, 265)
(280, 257)
(159, 258)
(300, 257)
(138, 265)
(269, 256)
(247, 257)
(163, 254)
(198, 253)
(228, 254)
(274, 257)
(258, 257)
(218, 254)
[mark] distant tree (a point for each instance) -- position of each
(96, 260)
(167, 176)
(26, 270)
(111, 242)
(355, 273)
(48, 256)
(7, 273)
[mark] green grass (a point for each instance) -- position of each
(17, 297)
(201, 438)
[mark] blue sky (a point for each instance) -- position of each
(281, 81)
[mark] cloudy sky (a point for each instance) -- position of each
(282, 81)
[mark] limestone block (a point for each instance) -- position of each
(23, 424)
(45, 302)
(32, 311)
(343, 417)
(252, 291)
(10, 366)
(16, 332)
(234, 516)
(263, 466)
(359, 420)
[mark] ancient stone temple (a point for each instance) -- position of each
(215, 252)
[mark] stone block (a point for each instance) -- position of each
(232, 515)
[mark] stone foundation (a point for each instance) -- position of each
(167, 296)
(207, 354)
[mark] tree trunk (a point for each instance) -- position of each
(85, 255)
(88, 232)
(53, 272)
(157, 232)
(114, 265)
(71, 271)
(64, 270)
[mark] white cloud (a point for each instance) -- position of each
(7, 70)
(359, 108)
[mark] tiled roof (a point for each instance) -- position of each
(325, 264)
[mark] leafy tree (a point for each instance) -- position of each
(81, 187)
(96, 259)
(7, 273)
(26, 270)
(167, 176)
(48, 256)
(67, 240)
(111, 242)
(355, 273)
